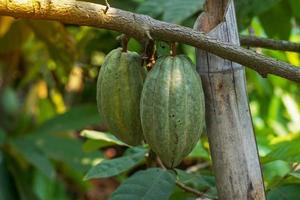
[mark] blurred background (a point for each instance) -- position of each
(48, 74)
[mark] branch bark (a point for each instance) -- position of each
(141, 27)
(252, 41)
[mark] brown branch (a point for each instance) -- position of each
(141, 27)
(252, 41)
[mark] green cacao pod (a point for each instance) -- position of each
(119, 87)
(172, 109)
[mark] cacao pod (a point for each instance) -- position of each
(119, 86)
(172, 109)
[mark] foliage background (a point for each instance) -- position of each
(47, 96)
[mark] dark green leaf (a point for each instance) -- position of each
(151, 184)
(277, 22)
(2, 136)
(174, 11)
(153, 8)
(34, 156)
(15, 37)
(285, 192)
(247, 9)
(199, 182)
(47, 189)
(9, 101)
(75, 119)
(108, 168)
(59, 41)
(193, 179)
(22, 178)
(163, 48)
(93, 145)
(295, 6)
(177, 11)
(66, 150)
(7, 188)
(180, 194)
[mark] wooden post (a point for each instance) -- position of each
(228, 119)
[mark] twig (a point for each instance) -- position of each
(183, 186)
(151, 159)
(197, 167)
(107, 6)
(296, 166)
(189, 189)
(139, 26)
(252, 41)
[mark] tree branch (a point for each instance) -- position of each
(141, 26)
(252, 41)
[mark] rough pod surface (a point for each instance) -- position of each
(119, 87)
(172, 109)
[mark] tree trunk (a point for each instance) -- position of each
(228, 119)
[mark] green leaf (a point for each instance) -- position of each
(47, 189)
(93, 145)
(277, 22)
(179, 194)
(61, 45)
(15, 37)
(295, 6)
(153, 8)
(177, 11)
(285, 192)
(7, 189)
(106, 137)
(34, 156)
(9, 101)
(199, 152)
(77, 118)
(66, 150)
(199, 182)
(22, 179)
(296, 174)
(2, 136)
(275, 170)
(163, 48)
(247, 9)
(108, 168)
(287, 151)
(151, 184)
(192, 179)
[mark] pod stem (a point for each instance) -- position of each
(151, 160)
(149, 53)
(173, 46)
(124, 41)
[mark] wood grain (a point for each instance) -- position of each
(228, 119)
